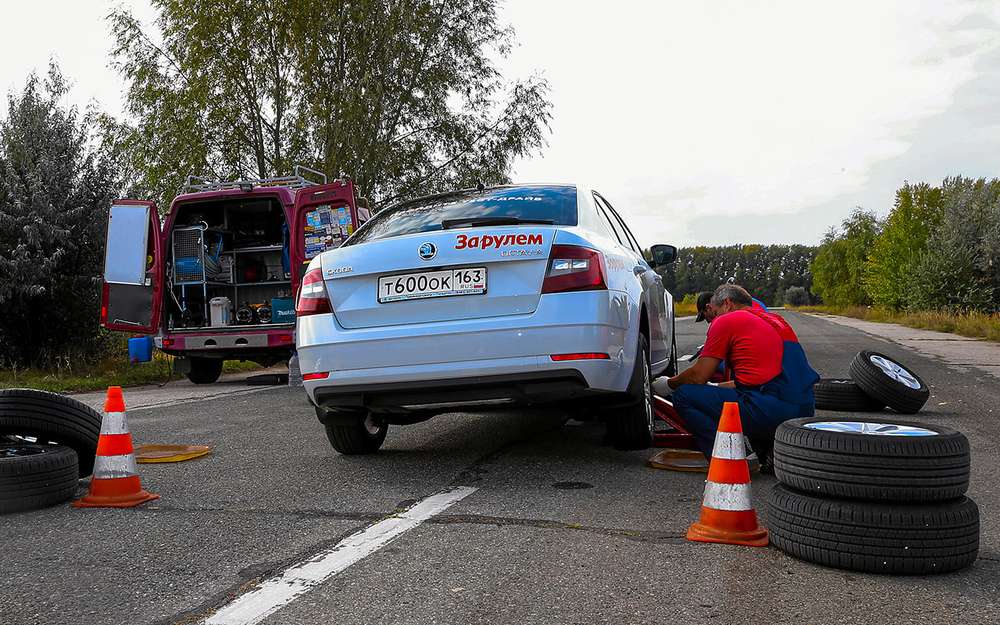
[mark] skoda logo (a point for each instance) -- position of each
(427, 250)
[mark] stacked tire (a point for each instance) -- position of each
(871, 496)
(876, 381)
(47, 442)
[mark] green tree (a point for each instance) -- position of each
(403, 96)
(56, 183)
(890, 268)
(956, 272)
(840, 260)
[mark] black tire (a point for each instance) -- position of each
(362, 435)
(35, 476)
(875, 467)
(672, 365)
(902, 539)
(874, 381)
(51, 417)
(633, 428)
(846, 395)
(205, 370)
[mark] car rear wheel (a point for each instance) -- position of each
(358, 434)
(633, 428)
(205, 370)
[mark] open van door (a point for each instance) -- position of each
(325, 215)
(133, 268)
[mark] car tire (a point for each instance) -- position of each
(895, 538)
(362, 434)
(672, 365)
(50, 417)
(34, 476)
(859, 460)
(889, 382)
(845, 395)
(205, 370)
(633, 428)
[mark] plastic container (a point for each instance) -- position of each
(282, 310)
(140, 349)
(219, 311)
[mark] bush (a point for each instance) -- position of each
(891, 264)
(56, 183)
(839, 263)
(796, 296)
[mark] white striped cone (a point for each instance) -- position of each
(115, 483)
(727, 513)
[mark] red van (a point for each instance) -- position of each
(218, 280)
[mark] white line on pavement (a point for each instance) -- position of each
(282, 589)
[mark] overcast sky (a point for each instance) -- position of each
(704, 122)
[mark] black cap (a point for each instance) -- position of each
(703, 298)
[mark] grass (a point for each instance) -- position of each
(113, 371)
(684, 309)
(973, 324)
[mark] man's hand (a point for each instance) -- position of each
(699, 373)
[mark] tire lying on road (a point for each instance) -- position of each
(51, 417)
(907, 539)
(35, 476)
(897, 461)
(889, 382)
(846, 395)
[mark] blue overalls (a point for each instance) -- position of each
(789, 395)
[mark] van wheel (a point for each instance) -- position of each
(364, 434)
(633, 429)
(205, 370)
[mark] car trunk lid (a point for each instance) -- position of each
(514, 258)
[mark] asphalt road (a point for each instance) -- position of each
(521, 548)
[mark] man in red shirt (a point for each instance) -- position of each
(771, 378)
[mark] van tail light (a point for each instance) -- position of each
(574, 268)
(312, 296)
(105, 291)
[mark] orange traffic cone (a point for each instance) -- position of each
(727, 515)
(115, 483)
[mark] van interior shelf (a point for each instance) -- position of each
(230, 266)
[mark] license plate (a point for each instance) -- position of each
(466, 281)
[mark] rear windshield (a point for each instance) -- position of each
(551, 203)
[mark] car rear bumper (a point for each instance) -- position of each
(495, 358)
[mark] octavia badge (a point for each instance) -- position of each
(427, 250)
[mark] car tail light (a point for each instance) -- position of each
(316, 376)
(574, 268)
(312, 296)
(581, 356)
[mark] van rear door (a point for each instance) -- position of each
(133, 268)
(325, 215)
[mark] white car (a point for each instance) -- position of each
(512, 294)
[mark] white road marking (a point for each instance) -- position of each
(282, 589)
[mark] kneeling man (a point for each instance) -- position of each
(771, 379)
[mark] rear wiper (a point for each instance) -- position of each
(471, 222)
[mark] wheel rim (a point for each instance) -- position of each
(19, 451)
(895, 371)
(870, 428)
(647, 396)
(372, 426)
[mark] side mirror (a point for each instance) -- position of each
(663, 254)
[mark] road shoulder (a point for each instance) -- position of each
(960, 352)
